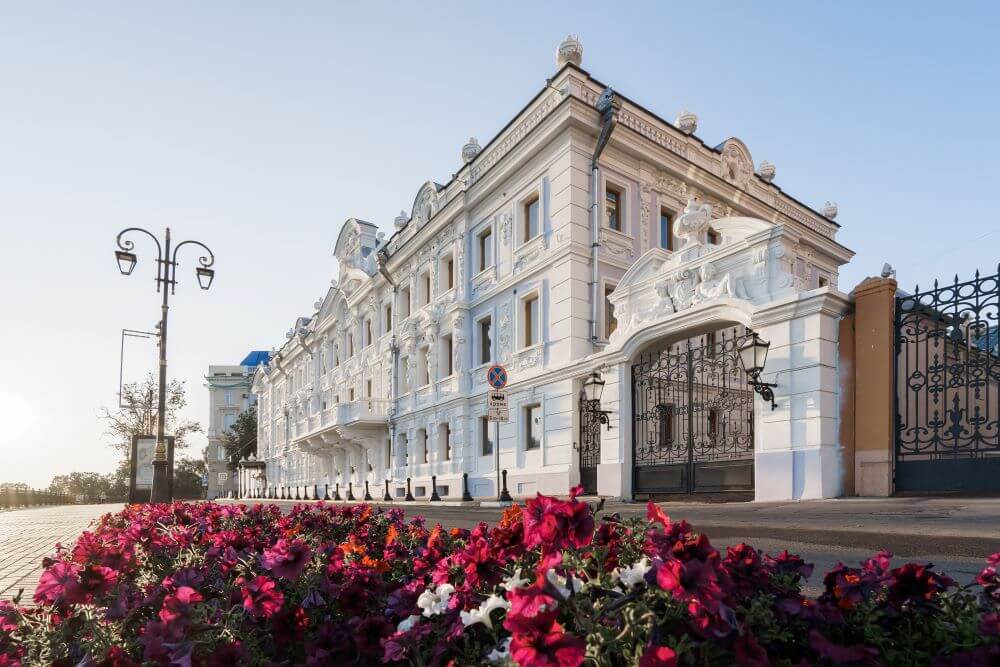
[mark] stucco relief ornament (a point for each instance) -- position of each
(504, 338)
(710, 286)
(401, 220)
(505, 226)
(736, 167)
(829, 211)
(645, 193)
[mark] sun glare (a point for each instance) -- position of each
(15, 419)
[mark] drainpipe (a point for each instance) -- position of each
(382, 260)
(607, 105)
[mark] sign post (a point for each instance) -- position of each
(497, 410)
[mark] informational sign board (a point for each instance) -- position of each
(204, 479)
(496, 376)
(141, 480)
(496, 407)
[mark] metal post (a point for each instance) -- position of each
(368, 496)
(336, 492)
(466, 496)
(409, 495)
(160, 493)
(387, 498)
(496, 446)
(350, 490)
(435, 498)
(505, 495)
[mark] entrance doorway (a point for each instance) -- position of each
(693, 419)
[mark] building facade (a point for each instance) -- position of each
(229, 394)
(589, 239)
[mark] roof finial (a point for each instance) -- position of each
(687, 122)
(570, 51)
(470, 150)
(401, 220)
(829, 211)
(766, 171)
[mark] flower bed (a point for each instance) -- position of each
(207, 584)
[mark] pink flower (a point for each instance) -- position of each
(658, 656)
(178, 603)
(542, 521)
(96, 580)
(261, 597)
(579, 522)
(286, 559)
(549, 648)
(60, 584)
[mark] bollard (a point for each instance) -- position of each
(368, 496)
(435, 498)
(505, 494)
(466, 496)
(336, 493)
(350, 490)
(409, 495)
(326, 492)
(387, 498)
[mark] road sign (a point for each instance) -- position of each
(496, 376)
(496, 407)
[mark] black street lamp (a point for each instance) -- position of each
(593, 387)
(753, 356)
(166, 276)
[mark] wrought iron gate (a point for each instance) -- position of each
(693, 418)
(947, 376)
(589, 443)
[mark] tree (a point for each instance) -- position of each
(240, 440)
(92, 485)
(138, 417)
(187, 478)
(13, 486)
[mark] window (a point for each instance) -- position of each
(447, 367)
(423, 375)
(531, 219)
(714, 237)
(425, 288)
(485, 341)
(613, 207)
(369, 334)
(666, 230)
(710, 344)
(404, 447)
(448, 273)
(368, 387)
(422, 442)
(823, 281)
(220, 455)
(531, 321)
(444, 432)
(388, 318)
(610, 322)
(229, 397)
(404, 302)
(533, 426)
(388, 453)
(485, 440)
(485, 248)
(223, 476)
(350, 395)
(350, 345)
(404, 374)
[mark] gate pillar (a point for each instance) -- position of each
(614, 473)
(875, 300)
(797, 445)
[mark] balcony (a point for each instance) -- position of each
(347, 421)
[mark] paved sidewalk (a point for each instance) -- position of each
(28, 535)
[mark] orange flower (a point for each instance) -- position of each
(352, 546)
(510, 516)
(391, 536)
(435, 537)
(378, 565)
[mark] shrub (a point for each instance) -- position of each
(207, 584)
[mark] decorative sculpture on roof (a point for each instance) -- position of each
(829, 211)
(766, 171)
(735, 163)
(470, 150)
(692, 225)
(570, 51)
(687, 122)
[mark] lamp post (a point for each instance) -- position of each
(753, 356)
(166, 281)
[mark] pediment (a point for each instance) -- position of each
(425, 203)
(644, 268)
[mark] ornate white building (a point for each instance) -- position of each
(590, 235)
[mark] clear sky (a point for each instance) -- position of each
(259, 128)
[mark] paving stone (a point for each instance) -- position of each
(28, 535)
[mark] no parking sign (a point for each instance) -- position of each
(496, 376)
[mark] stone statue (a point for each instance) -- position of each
(692, 225)
(710, 286)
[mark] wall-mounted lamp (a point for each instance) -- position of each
(593, 387)
(753, 356)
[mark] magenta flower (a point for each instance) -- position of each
(552, 647)
(60, 584)
(658, 656)
(177, 604)
(287, 559)
(261, 597)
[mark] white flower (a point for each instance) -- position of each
(634, 574)
(565, 587)
(482, 614)
(514, 581)
(407, 623)
(501, 653)
(435, 602)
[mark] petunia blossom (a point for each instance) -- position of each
(261, 597)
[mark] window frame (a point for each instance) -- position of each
(480, 340)
(485, 438)
(670, 218)
(608, 287)
(525, 320)
(481, 236)
(620, 208)
(532, 200)
(526, 409)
